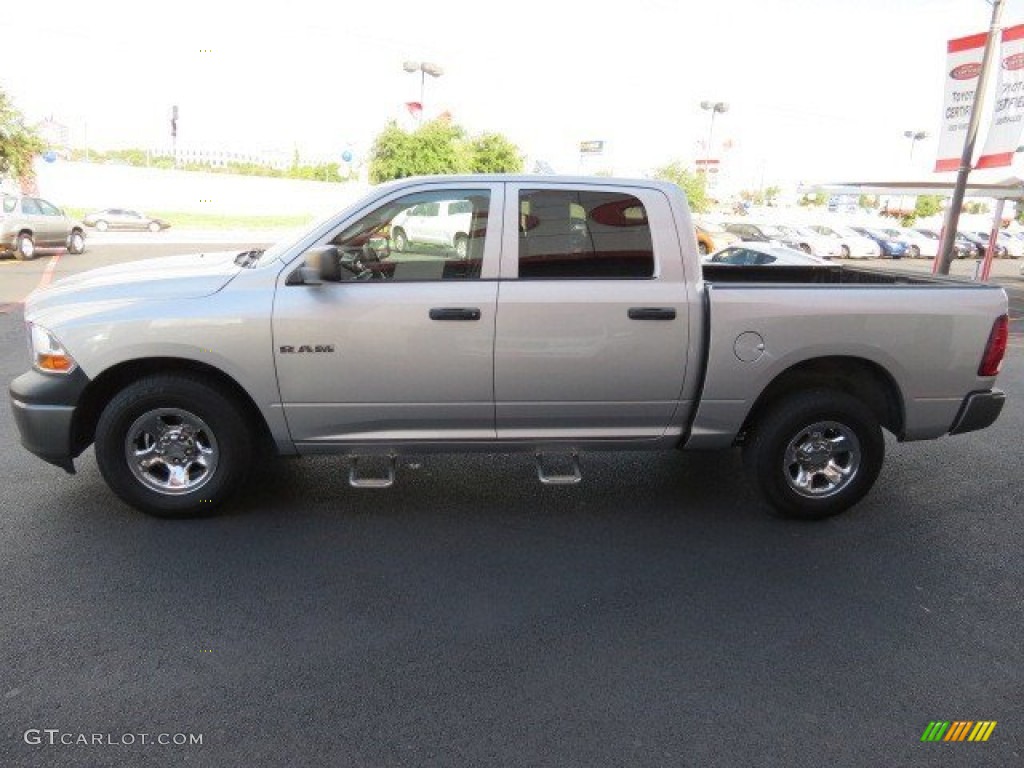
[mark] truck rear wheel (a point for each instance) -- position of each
(173, 446)
(815, 454)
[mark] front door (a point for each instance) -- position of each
(399, 347)
(593, 330)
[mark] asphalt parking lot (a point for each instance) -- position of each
(652, 616)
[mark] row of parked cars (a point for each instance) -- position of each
(852, 242)
(28, 224)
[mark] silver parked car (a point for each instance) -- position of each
(123, 218)
(763, 255)
(30, 223)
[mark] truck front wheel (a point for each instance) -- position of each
(173, 446)
(815, 454)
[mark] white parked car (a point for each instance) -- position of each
(811, 242)
(763, 255)
(852, 245)
(443, 223)
(919, 244)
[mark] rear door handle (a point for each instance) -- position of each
(652, 313)
(455, 313)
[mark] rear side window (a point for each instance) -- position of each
(577, 234)
(10, 203)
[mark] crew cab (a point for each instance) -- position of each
(579, 318)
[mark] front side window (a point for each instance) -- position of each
(395, 243)
(580, 234)
(47, 209)
(30, 207)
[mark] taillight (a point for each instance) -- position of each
(995, 349)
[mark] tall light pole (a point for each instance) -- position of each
(424, 68)
(714, 107)
(914, 136)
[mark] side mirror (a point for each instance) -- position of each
(322, 264)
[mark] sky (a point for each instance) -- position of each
(818, 90)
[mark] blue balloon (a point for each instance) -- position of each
(346, 156)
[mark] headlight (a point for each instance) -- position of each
(48, 355)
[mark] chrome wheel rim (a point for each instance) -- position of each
(77, 241)
(461, 247)
(27, 247)
(822, 459)
(171, 451)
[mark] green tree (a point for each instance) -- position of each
(814, 199)
(771, 194)
(693, 184)
(493, 153)
(867, 202)
(19, 144)
(927, 205)
(437, 147)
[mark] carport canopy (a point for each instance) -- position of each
(1009, 189)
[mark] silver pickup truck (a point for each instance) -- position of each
(576, 318)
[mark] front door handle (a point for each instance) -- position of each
(455, 313)
(652, 313)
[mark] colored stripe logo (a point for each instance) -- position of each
(958, 730)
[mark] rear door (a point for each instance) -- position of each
(592, 331)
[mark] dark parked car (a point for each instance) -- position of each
(123, 218)
(980, 242)
(891, 247)
(28, 223)
(961, 248)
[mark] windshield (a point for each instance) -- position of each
(773, 231)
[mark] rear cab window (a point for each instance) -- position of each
(583, 235)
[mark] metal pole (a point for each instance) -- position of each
(423, 85)
(945, 256)
(707, 155)
(993, 238)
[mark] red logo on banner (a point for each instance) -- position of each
(1014, 62)
(966, 71)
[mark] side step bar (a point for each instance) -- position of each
(573, 478)
(356, 481)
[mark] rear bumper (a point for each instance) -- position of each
(979, 410)
(44, 412)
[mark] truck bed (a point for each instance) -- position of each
(825, 274)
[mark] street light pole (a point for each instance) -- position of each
(945, 256)
(713, 107)
(914, 136)
(424, 68)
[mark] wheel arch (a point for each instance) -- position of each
(858, 377)
(106, 386)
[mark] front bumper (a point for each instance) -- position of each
(979, 410)
(44, 412)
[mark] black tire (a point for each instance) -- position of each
(165, 397)
(461, 247)
(770, 453)
(805, 248)
(915, 252)
(399, 241)
(76, 242)
(24, 247)
(844, 251)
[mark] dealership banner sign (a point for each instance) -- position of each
(963, 67)
(1008, 113)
